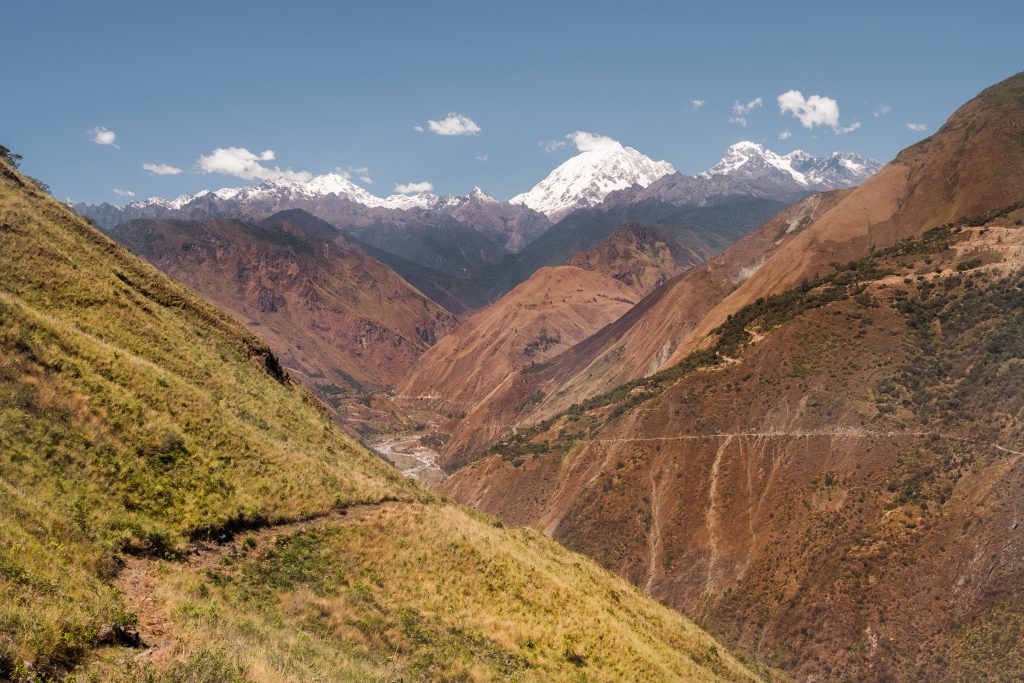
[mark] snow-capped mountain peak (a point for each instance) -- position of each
(602, 166)
(283, 192)
(840, 169)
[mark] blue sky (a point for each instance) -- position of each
(342, 85)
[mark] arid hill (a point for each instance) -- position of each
(833, 483)
(556, 308)
(640, 256)
(813, 443)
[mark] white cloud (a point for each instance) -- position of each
(740, 111)
(162, 169)
(589, 142)
(241, 163)
(103, 136)
(814, 111)
(481, 157)
(551, 145)
(418, 129)
(453, 124)
(785, 135)
(882, 111)
(917, 126)
(361, 172)
(123, 193)
(696, 104)
(413, 188)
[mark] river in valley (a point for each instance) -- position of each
(410, 457)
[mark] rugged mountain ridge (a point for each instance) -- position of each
(340, 321)
(752, 170)
(554, 309)
(979, 147)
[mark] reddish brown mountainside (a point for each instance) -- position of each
(638, 342)
(641, 256)
(840, 493)
(554, 309)
(337, 318)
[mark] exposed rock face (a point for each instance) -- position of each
(642, 257)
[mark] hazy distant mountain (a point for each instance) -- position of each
(336, 199)
(464, 251)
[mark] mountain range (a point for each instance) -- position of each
(583, 181)
(465, 251)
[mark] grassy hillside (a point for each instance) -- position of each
(174, 507)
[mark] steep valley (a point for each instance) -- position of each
(343, 323)
(176, 508)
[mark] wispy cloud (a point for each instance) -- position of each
(123, 193)
(241, 163)
(814, 111)
(917, 126)
(481, 157)
(360, 172)
(103, 136)
(453, 124)
(413, 188)
(550, 146)
(882, 110)
(785, 135)
(696, 104)
(162, 169)
(740, 111)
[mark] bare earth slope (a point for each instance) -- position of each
(641, 256)
(834, 483)
(635, 344)
(557, 307)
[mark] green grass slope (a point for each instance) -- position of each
(160, 474)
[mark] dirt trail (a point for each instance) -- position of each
(138, 581)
